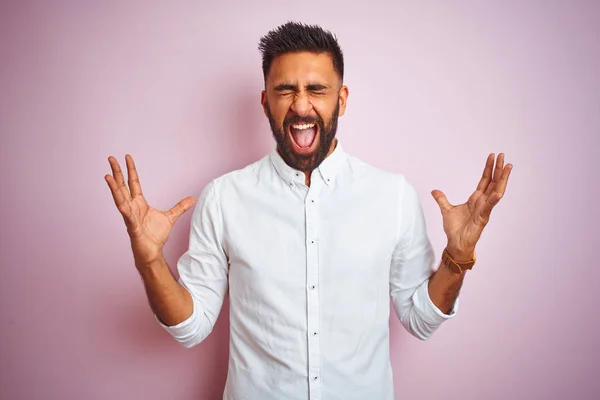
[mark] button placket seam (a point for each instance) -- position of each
(313, 297)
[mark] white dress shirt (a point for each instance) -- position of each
(310, 272)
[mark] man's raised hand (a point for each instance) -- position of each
(148, 228)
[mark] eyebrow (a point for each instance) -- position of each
(311, 87)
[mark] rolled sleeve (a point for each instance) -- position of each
(429, 311)
(413, 263)
(203, 270)
(185, 332)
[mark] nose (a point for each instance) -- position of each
(301, 105)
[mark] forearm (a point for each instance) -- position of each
(444, 285)
(169, 300)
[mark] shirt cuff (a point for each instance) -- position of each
(185, 331)
(429, 311)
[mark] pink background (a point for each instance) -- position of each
(433, 89)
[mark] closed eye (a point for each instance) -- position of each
(286, 93)
(317, 87)
(288, 89)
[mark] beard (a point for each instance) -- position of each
(304, 162)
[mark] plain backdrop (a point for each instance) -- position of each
(434, 87)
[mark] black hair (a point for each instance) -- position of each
(295, 37)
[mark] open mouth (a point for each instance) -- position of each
(304, 137)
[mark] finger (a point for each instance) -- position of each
(486, 177)
(133, 179)
(494, 198)
(180, 208)
(497, 173)
(499, 167)
(115, 190)
(118, 197)
(490, 203)
(442, 201)
(118, 176)
(503, 181)
(474, 197)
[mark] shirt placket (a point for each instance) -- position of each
(312, 281)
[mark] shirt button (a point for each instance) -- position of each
(315, 333)
(312, 287)
(312, 241)
(315, 378)
(297, 174)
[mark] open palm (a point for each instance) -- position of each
(148, 228)
(464, 223)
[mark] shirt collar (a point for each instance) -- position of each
(328, 169)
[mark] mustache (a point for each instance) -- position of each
(296, 119)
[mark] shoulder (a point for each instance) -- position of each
(394, 185)
(247, 175)
(366, 171)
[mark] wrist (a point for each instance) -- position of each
(148, 265)
(460, 264)
(460, 254)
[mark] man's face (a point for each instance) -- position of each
(303, 98)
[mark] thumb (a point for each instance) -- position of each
(180, 208)
(442, 201)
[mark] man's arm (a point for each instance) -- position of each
(169, 300)
(463, 225)
(203, 276)
(424, 297)
(412, 266)
(189, 308)
(444, 286)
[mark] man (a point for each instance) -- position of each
(310, 242)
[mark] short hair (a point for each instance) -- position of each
(295, 37)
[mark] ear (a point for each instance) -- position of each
(263, 101)
(342, 98)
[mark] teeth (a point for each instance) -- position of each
(302, 126)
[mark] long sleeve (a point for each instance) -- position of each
(203, 270)
(413, 262)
